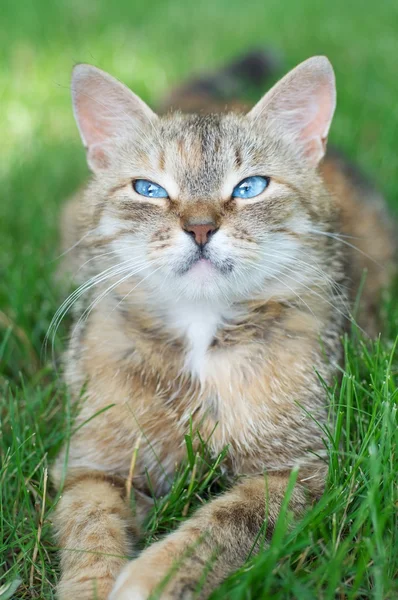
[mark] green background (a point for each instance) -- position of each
(151, 46)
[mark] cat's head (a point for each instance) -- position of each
(215, 208)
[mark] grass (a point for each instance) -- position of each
(347, 545)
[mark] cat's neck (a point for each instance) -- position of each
(194, 333)
(198, 324)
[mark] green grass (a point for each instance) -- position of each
(347, 545)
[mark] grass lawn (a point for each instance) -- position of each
(347, 545)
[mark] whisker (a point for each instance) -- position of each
(339, 239)
(89, 309)
(72, 298)
(96, 257)
(73, 245)
(347, 315)
(273, 276)
(320, 272)
(135, 287)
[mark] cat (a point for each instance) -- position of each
(215, 283)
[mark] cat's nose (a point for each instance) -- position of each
(201, 232)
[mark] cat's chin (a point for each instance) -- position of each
(203, 281)
(202, 268)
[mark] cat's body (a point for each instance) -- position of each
(214, 323)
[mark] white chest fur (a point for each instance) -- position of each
(226, 375)
(198, 324)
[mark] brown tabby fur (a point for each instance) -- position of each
(260, 373)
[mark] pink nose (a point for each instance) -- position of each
(201, 233)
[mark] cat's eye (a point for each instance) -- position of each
(250, 187)
(143, 187)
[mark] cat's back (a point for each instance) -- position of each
(367, 231)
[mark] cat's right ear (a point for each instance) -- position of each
(104, 110)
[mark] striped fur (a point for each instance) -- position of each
(235, 348)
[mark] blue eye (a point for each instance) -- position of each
(143, 187)
(250, 187)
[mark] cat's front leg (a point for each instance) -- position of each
(92, 523)
(191, 562)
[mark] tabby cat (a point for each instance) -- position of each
(216, 267)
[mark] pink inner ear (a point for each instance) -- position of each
(314, 134)
(322, 114)
(105, 109)
(93, 129)
(100, 113)
(305, 112)
(300, 107)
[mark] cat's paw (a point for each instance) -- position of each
(157, 573)
(133, 583)
(141, 580)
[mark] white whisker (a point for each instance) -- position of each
(74, 245)
(339, 239)
(85, 287)
(98, 299)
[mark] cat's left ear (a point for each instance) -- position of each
(105, 112)
(300, 107)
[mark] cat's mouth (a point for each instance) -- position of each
(205, 263)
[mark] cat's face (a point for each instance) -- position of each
(200, 239)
